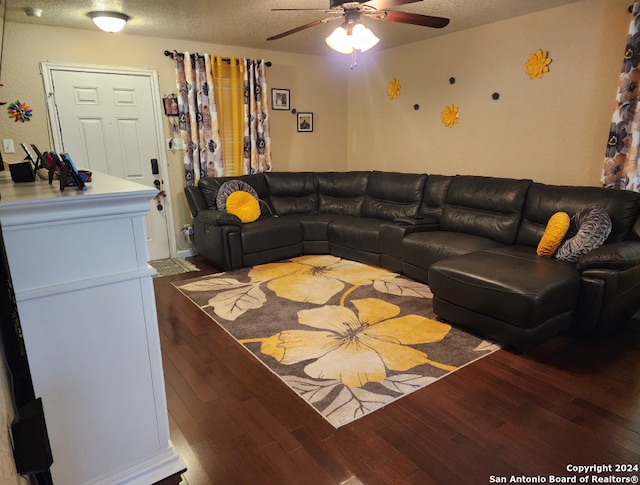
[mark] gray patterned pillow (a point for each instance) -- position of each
(594, 226)
(230, 186)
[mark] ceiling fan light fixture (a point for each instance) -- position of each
(357, 37)
(109, 21)
(340, 41)
(362, 37)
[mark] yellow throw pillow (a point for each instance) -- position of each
(554, 233)
(244, 205)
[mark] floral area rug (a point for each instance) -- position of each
(346, 337)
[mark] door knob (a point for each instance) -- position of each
(160, 195)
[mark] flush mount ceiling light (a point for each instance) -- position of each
(109, 21)
(33, 12)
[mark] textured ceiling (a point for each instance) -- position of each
(248, 23)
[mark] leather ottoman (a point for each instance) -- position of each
(510, 294)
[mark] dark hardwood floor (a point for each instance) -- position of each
(566, 402)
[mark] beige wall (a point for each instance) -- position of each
(552, 130)
(311, 79)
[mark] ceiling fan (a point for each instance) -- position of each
(352, 35)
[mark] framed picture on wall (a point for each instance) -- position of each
(280, 99)
(305, 121)
(170, 105)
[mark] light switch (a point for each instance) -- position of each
(7, 146)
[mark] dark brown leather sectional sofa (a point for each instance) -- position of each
(472, 239)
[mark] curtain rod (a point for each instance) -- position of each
(225, 59)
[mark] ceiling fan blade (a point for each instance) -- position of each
(411, 18)
(304, 10)
(385, 4)
(303, 27)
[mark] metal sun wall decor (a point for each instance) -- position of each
(537, 64)
(450, 115)
(393, 89)
(19, 111)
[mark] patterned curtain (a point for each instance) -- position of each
(621, 169)
(198, 117)
(257, 135)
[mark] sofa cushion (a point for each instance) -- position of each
(229, 187)
(391, 195)
(485, 206)
(359, 233)
(342, 193)
(422, 249)
(593, 225)
(270, 233)
(435, 195)
(244, 205)
(544, 200)
(554, 233)
(510, 284)
(210, 186)
(293, 192)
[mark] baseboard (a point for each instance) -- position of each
(163, 465)
(186, 253)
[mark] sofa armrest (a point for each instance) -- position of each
(619, 256)
(392, 232)
(218, 218)
(195, 199)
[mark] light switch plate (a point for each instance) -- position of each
(7, 146)
(175, 144)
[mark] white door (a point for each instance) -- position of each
(108, 122)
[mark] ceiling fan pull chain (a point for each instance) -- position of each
(354, 60)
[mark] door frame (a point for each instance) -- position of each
(46, 69)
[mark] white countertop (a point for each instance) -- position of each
(19, 202)
(100, 184)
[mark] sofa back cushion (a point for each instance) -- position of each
(342, 192)
(545, 200)
(210, 186)
(485, 206)
(392, 194)
(435, 195)
(293, 192)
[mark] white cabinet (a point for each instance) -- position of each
(79, 265)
